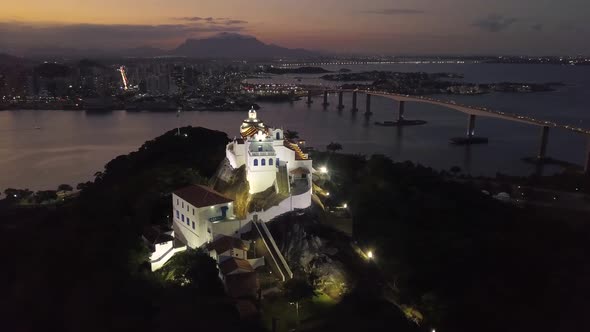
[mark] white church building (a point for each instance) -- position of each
(271, 160)
(202, 215)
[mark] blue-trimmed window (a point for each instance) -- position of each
(270, 161)
(263, 162)
(188, 221)
(255, 162)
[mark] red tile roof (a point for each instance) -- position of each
(201, 196)
(232, 264)
(225, 243)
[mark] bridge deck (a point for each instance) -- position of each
(478, 111)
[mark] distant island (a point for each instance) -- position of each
(299, 70)
(420, 83)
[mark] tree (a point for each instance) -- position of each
(45, 195)
(17, 194)
(333, 147)
(296, 290)
(195, 270)
(64, 187)
(291, 134)
(456, 170)
(83, 185)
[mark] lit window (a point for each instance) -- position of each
(263, 162)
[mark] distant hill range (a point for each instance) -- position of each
(231, 45)
(10, 60)
(223, 45)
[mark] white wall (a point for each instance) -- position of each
(301, 201)
(202, 233)
(231, 228)
(157, 263)
(235, 252)
(235, 153)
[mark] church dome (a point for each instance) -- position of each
(252, 125)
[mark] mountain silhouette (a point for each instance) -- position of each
(232, 45)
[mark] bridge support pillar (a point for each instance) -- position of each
(587, 159)
(309, 101)
(544, 140)
(325, 103)
(340, 104)
(354, 109)
(368, 105)
(400, 110)
(471, 126)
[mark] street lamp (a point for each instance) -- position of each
(345, 206)
(323, 170)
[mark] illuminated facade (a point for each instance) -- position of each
(271, 160)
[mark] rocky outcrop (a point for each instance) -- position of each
(311, 255)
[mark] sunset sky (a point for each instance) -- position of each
(371, 26)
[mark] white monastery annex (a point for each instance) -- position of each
(203, 217)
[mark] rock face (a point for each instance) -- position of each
(309, 254)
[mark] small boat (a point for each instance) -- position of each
(387, 123)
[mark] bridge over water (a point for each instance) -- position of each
(472, 111)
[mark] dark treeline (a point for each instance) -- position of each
(81, 265)
(465, 260)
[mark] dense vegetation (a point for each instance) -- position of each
(463, 259)
(81, 266)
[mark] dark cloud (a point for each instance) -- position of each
(234, 22)
(537, 27)
(22, 34)
(395, 11)
(211, 20)
(495, 23)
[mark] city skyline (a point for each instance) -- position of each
(380, 27)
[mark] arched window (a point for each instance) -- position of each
(263, 162)
(255, 162)
(270, 161)
(278, 135)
